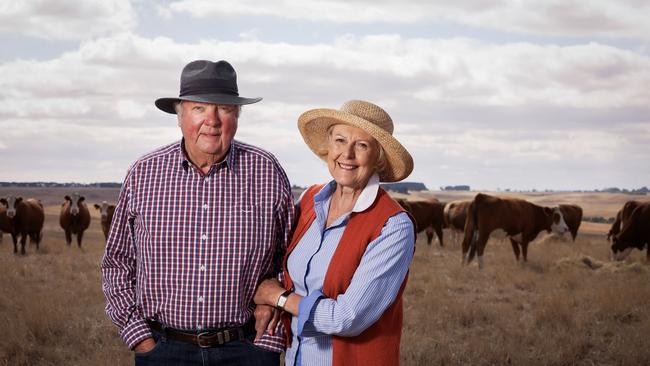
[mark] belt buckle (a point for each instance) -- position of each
(204, 336)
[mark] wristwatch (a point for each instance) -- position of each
(283, 299)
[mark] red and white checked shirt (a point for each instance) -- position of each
(189, 249)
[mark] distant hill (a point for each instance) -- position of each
(404, 187)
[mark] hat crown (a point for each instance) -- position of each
(370, 112)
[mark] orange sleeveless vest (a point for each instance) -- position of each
(379, 344)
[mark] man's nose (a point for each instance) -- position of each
(212, 117)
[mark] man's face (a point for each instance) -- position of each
(208, 129)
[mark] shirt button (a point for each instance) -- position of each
(200, 298)
(202, 268)
(204, 237)
(206, 179)
(205, 206)
(199, 326)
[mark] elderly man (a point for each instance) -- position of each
(198, 225)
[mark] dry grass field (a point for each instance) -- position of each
(567, 306)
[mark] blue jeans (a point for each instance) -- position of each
(175, 353)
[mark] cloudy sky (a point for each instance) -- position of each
(521, 94)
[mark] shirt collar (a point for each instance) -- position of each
(365, 200)
(185, 162)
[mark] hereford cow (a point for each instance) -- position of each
(622, 217)
(635, 233)
(428, 215)
(106, 211)
(74, 218)
(573, 217)
(24, 218)
(521, 220)
(454, 215)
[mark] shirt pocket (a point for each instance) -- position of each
(254, 224)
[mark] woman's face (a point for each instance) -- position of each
(352, 156)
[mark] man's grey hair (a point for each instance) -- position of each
(178, 107)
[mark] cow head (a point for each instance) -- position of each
(75, 203)
(103, 209)
(558, 225)
(11, 203)
(621, 248)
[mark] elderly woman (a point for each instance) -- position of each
(346, 267)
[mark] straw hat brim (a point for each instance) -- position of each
(313, 126)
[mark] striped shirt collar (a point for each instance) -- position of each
(229, 160)
(366, 198)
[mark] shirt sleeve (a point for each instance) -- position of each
(373, 288)
(118, 274)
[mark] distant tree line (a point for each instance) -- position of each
(455, 188)
(55, 184)
(404, 187)
(599, 219)
(641, 191)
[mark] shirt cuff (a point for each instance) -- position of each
(135, 332)
(305, 308)
(273, 343)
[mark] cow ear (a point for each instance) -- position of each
(4, 201)
(18, 200)
(67, 198)
(96, 206)
(548, 211)
(81, 199)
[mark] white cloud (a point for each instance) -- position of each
(66, 19)
(626, 18)
(469, 105)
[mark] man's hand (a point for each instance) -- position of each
(145, 346)
(268, 292)
(266, 318)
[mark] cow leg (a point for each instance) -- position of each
(68, 237)
(480, 248)
(23, 240)
(14, 238)
(469, 246)
(524, 250)
(515, 248)
(429, 232)
(439, 233)
(79, 236)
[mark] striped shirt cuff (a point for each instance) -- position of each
(135, 332)
(305, 308)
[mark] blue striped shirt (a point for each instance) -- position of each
(373, 289)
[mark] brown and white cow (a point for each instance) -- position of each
(106, 211)
(521, 220)
(573, 217)
(622, 217)
(428, 216)
(455, 214)
(635, 233)
(74, 217)
(24, 218)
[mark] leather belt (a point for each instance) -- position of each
(208, 338)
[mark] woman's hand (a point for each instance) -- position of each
(268, 292)
(266, 318)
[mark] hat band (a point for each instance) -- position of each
(208, 86)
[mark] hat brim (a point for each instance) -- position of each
(313, 126)
(167, 104)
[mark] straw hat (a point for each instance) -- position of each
(313, 126)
